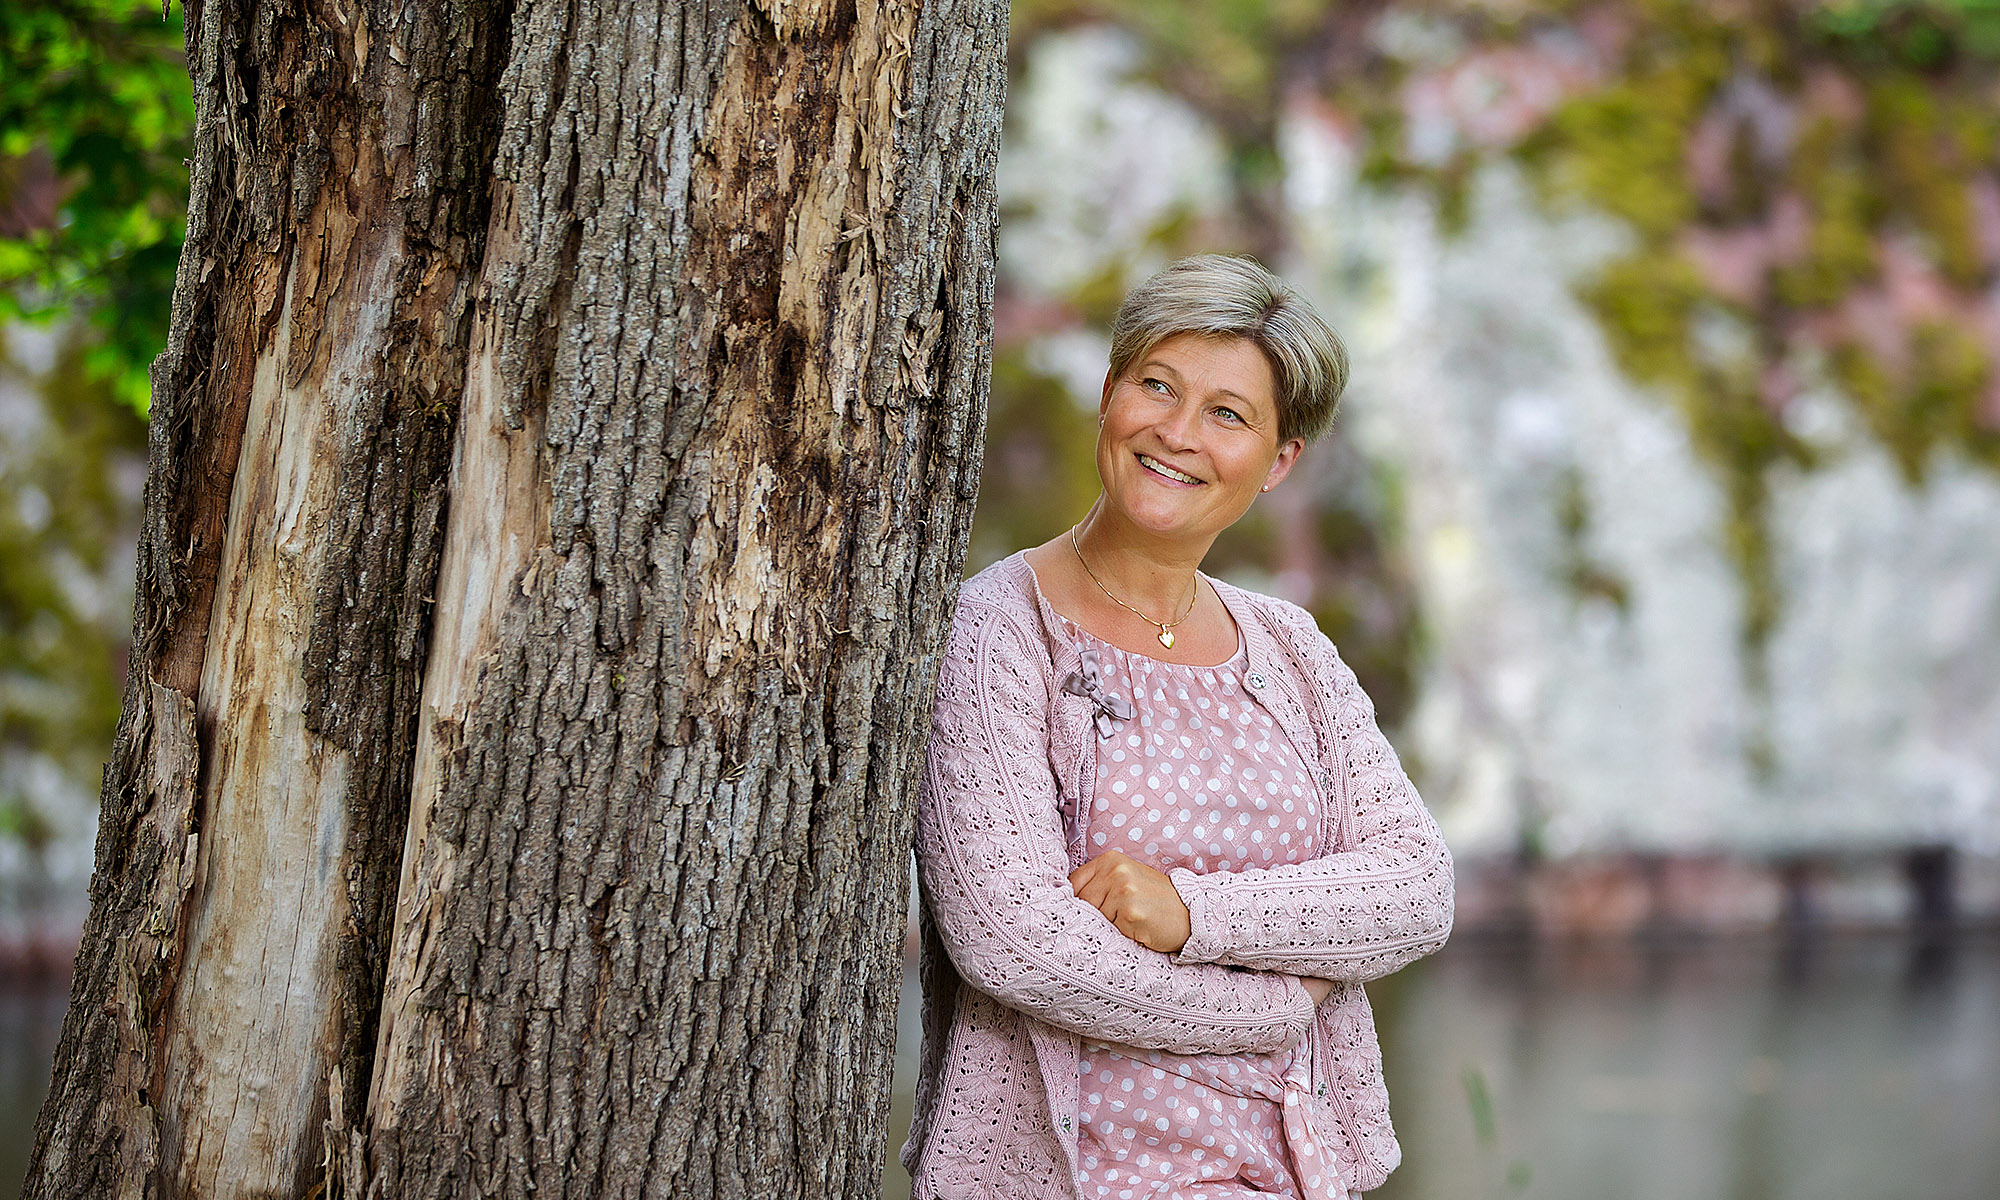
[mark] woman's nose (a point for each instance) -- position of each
(1178, 425)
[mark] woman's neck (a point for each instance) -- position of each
(1152, 574)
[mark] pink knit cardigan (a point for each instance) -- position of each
(1016, 969)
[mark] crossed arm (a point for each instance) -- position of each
(1141, 900)
(1119, 951)
(995, 873)
(1352, 914)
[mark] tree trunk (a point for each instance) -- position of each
(561, 467)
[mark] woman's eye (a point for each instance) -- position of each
(1156, 385)
(1227, 413)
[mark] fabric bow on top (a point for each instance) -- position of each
(1089, 683)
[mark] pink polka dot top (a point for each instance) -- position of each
(1199, 776)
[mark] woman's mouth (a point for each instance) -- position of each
(1166, 472)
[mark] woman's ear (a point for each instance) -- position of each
(1282, 465)
(1104, 400)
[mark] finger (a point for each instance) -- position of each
(1094, 892)
(1085, 877)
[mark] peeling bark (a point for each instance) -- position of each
(641, 350)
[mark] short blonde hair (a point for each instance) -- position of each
(1220, 296)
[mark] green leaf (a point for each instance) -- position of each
(95, 103)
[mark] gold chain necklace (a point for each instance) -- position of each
(1166, 628)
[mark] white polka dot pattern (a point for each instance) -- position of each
(1017, 969)
(1200, 777)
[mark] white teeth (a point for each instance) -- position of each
(1166, 470)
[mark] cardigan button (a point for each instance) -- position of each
(1255, 679)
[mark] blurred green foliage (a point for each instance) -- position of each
(1900, 170)
(69, 481)
(95, 110)
(96, 121)
(1040, 473)
(1885, 120)
(1925, 34)
(1224, 56)
(1231, 60)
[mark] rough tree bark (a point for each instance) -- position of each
(561, 466)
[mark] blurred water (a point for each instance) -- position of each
(1829, 1069)
(30, 1018)
(1841, 1068)
(1850, 1068)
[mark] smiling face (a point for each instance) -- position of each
(1190, 437)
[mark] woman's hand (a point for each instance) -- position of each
(1140, 900)
(1146, 907)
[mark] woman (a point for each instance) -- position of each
(1161, 842)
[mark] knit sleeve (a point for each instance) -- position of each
(991, 851)
(1351, 914)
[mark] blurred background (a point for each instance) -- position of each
(1661, 521)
